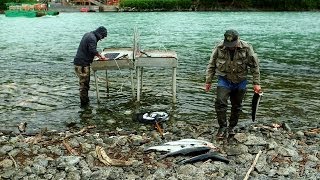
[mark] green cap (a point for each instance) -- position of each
(231, 37)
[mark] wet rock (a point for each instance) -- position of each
(286, 171)
(6, 163)
(240, 137)
(136, 140)
(60, 175)
(73, 142)
(14, 152)
(255, 149)
(55, 150)
(254, 140)
(73, 175)
(262, 165)
(8, 174)
(236, 150)
(300, 134)
(272, 172)
(38, 169)
(5, 149)
(272, 144)
(86, 147)
(65, 161)
(244, 158)
(313, 158)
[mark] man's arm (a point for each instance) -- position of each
(211, 69)
(254, 69)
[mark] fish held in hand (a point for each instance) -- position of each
(255, 104)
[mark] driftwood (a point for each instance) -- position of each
(14, 162)
(106, 160)
(69, 148)
(252, 166)
(79, 132)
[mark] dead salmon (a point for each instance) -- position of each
(188, 151)
(255, 104)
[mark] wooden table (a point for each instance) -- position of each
(155, 58)
(125, 62)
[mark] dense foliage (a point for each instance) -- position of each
(275, 5)
(156, 4)
(4, 3)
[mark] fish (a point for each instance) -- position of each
(203, 157)
(255, 104)
(188, 151)
(191, 142)
(170, 148)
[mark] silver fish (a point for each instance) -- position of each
(188, 151)
(191, 142)
(255, 104)
(170, 148)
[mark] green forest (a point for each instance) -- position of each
(216, 5)
(207, 5)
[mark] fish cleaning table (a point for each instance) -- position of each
(156, 58)
(119, 58)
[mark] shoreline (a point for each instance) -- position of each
(72, 154)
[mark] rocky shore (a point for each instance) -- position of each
(72, 154)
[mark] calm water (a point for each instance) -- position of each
(38, 84)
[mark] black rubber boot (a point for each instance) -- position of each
(236, 98)
(221, 106)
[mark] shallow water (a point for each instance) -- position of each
(38, 84)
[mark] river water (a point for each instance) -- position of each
(38, 84)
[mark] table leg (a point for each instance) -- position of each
(97, 86)
(174, 85)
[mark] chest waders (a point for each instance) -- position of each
(83, 73)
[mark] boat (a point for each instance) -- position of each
(28, 10)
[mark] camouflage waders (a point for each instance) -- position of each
(83, 72)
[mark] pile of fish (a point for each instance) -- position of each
(200, 150)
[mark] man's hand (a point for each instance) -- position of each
(207, 87)
(257, 88)
(102, 58)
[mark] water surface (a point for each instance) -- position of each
(38, 84)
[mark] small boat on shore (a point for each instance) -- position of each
(28, 10)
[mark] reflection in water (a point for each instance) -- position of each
(38, 84)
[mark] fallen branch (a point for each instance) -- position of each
(69, 148)
(252, 166)
(106, 160)
(14, 162)
(79, 132)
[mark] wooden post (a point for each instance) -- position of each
(96, 83)
(132, 83)
(138, 83)
(107, 83)
(174, 84)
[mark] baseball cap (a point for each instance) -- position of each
(231, 37)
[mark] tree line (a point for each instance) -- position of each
(207, 5)
(216, 5)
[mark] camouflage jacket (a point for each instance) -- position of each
(235, 70)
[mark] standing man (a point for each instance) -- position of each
(87, 50)
(231, 60)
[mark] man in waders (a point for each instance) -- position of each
(87, 50)
(231, 60)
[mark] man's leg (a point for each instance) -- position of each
(221, 106)
(84, 83)
(236, 98)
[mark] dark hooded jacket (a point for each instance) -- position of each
(88, 46)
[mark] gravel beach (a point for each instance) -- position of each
(72, 154)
